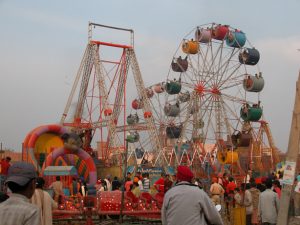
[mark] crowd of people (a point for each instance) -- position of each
(250, 202)
(185, 200)
(24, 200)
(253, 201)
(135, 183)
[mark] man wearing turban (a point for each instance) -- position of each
(187, 204)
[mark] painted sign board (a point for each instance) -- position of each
(289, 173)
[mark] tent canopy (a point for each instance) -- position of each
(60, 171)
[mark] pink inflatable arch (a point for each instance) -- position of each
(81, 154)
(32, 137)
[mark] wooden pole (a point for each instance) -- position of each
(124, 181)
(292, 155)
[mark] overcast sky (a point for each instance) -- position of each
(42, 43)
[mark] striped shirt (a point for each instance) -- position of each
(17, 210)
(146, 184)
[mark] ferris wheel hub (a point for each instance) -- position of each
(215, 90)
(199, 88)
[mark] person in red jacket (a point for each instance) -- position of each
(231, 186)
(160, 183)
(168, 183)
(277, 188)
(225, 181)
(5, 164)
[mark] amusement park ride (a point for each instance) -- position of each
(207, 111)
(103, 95)
(205, 114)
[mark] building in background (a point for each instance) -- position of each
(15, 156)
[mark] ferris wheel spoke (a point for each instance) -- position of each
(188, 84)
(193, 71)
(213, 59)
(208, 116)
(232, 109)
(219, 66)
(157, 114)
(226, 108)
(205, 59)
(232, 83)
(220, 74)
(184, 123)
(222, 70)
(230, 76)
(237, 99)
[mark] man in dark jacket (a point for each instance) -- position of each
(115, 184)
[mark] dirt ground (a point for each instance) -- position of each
(294, 221)
(108, 221)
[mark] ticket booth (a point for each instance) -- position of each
(66, 174)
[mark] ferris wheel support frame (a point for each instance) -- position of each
(91, 59)
(146, 106)
(84, 60)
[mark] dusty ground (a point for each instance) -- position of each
(294, 221)
(108, 221)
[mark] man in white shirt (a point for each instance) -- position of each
(248, 177)
(43, 200)
(268, 205)
(108, 183)
(216, 191)
(17, 210)
(57, 187)
(247, 202)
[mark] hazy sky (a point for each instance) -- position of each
(42, 43)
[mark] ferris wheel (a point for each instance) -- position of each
(205, 107)
(213, 84)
